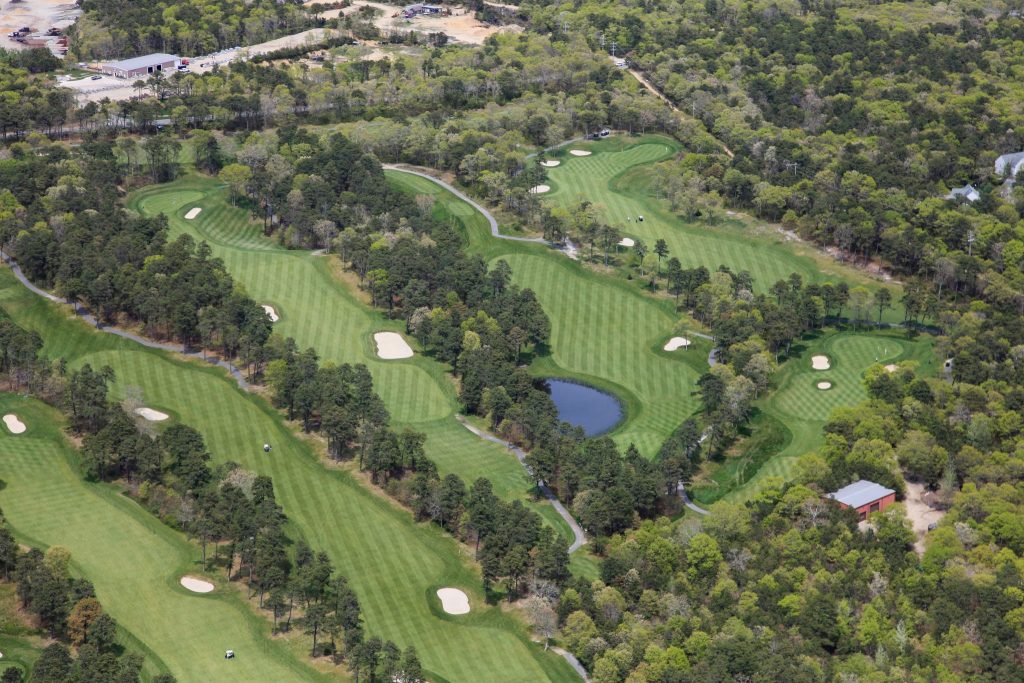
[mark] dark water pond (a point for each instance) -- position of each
(582, 406)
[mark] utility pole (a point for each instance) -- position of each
(970, 243)
(614, 47)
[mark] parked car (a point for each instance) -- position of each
(95, 78)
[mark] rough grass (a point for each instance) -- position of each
(394, 564)
(133, 560)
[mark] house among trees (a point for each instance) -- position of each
(1009, 164)
(967, 192)
(138, 67)
(865, 497)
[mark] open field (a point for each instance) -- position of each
(394, 565)
(133, 560)
(321, 313)
(618, 178)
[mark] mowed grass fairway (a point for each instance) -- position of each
(803, 408)
(133, 560)
(618, 178)
(319, 312)
(394, 565)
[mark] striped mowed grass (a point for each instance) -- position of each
(133, 560)
(394, 565)
(618, 178)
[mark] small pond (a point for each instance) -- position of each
(582, 406)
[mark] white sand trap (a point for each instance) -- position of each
(151, 415)
(892, 367)
(627, 242)
(14, 424)
(392, 346)
(820, 362)
(824, 385)
(677, 343)
(550, 163)
(196, 585)
(579, 152)
(540, 189)
(192, 213)
(271, 313)
(453, 600)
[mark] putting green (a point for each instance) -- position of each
(133, 560)
(392, 563)
(618, 178)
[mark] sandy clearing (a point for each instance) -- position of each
(580, 152)
(392, 346)
(271, 313)
(540, 189)
(892, 367)
(151, 415)
(15, 425)
(192, 213)
(820, 362)
(627, 242)
(196, 585)
(37, 14)
(453, 601)
(824, 385)
(919, 513)
(550, 163)
(676, 343)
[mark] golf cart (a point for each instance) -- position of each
(229, 654)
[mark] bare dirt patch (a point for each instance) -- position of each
(920, 514)
(35, 14)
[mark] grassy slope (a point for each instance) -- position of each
(394, 565)
(133, 560)
(318, 312)
(617, 177)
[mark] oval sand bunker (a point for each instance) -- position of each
(192, 213)
(453, 601)
(627, 242)
(551, 163)
(15, 425)
(579, 152)
(824, 385)
(196, 585)
(540, 189)
(271, 313)
(391, 346)
(892, 367)
(677, 343)
(820, 363)
(151, 415)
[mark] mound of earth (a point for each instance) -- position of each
(192, 213)
(151, 415)
(391, 346)
(677, 343)
(550, 163)
(453, 601)
(196, 585)
(540, 189)
(580, 152)
(271, 313)
(824, 385)
(15, 425)
(820, 362)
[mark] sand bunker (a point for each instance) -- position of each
(550, 163)
(627, 242)
(892, 367)
(820, 363)
(271, 313)
(824, 385)
(391, 346)
(192, 213)
(151, 415)
(677, 343)
(579, 152)
(540, 189)
(15, 425)
(453, 600)
(196, 585)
